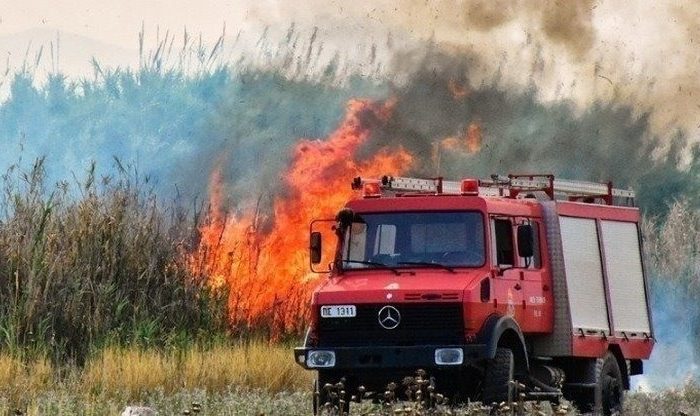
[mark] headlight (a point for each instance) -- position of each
(449, 356)
(321, 359)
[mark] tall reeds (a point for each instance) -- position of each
(95, 262)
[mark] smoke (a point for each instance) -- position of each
(640, 54)
(171, 126)
(458, 129)
(674, 271)
(674, 360)
(584, 74)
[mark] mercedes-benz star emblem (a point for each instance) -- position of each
(389, 317)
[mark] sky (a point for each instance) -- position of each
(118, 22)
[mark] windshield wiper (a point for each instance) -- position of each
(373, 263)
(428, 264)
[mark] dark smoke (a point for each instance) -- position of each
(520, 134)
(565, 23)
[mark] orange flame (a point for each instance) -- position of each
(267, 273)
(459, 90)
(474, 137)
(469, 142)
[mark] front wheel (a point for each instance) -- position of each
(606, 396)
(498, 378)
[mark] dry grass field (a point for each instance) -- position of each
(136, 375)
(250, 378)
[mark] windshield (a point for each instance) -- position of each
(411, 239)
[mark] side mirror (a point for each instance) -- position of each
(315, 246)
(525, 240)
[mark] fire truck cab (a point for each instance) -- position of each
(518, 284)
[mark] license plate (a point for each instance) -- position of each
(338, 311)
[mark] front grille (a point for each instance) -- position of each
(421, 324)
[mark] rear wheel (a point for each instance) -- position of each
(606, 396)
(498, 378)
(609, 390)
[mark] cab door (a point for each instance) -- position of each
(506, 277)
(537, 295)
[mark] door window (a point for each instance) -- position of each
(503, 241)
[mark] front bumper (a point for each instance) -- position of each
(422, 356)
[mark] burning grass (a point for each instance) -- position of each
(265, 272)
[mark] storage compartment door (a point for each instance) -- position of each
(623, 262)
(584, 274)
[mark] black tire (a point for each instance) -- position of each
(498, 378)
(607, 397)
(610, 389)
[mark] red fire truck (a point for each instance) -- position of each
(486, 285)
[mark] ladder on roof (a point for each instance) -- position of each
(511, 186)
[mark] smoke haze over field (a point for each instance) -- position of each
(639, 53)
